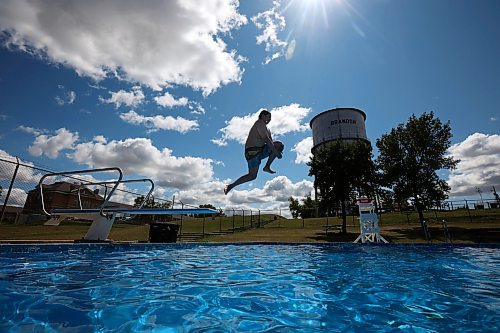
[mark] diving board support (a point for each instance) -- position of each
(368, 223)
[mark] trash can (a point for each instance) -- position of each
(163, 232)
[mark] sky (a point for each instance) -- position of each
(168, 90)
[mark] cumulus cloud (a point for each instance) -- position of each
(156, 43)
(271, 22)
(139, 156)
(278, 189)
(273, 195)
(169, 101)
(303, 150)
(479, 156)
(285, 119)
(128, 98)
(178, 124)
(51, 146)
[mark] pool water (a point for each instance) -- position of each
(249, 288)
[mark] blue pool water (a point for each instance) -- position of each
(249, 288)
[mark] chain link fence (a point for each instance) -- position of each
(20, 202)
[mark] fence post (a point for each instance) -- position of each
(243, 215)
(233, 220)
(9, 190)
(220, 223)
(251, 219)
(182, 206)
(259, 218)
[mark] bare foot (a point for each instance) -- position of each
(269, 170)
(226, 189)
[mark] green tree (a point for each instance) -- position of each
(294, 206)
(410, 156)
(340, 168)
(308, 208)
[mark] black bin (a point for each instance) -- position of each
(163, 232)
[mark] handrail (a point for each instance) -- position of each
(106, 199)
(147, 195)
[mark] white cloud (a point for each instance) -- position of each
(493, 119)
(31, 130)
(285, 119)
(271, 22)
(274, 194)
(479, 156)
(196, 108)
(67, 98)
(303, 150)
(156, 43)
(131, 98)
(169, 101)
(278, 189)
(138, 156)
(50, 146)
(178, 124)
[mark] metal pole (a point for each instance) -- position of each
(9, 190)
(243, 211)
(259, 218)
(182, 206)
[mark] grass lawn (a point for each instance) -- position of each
(395, 227)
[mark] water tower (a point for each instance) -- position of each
(346, 124)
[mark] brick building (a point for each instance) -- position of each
(61, 195)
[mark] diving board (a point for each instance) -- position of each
(103, 217)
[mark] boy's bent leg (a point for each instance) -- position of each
(279, 147)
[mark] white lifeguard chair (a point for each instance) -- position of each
(368, 223)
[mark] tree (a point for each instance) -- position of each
(306, 209)
(150, 203)
(340, 168)
(294, 207)
(410, 156)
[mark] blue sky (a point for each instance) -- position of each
(169, 89)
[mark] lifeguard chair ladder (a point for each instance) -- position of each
(368, 223)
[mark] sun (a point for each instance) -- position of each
(312, 12)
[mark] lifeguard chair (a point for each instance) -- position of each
(368, 223)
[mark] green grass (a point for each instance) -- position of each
(395, 227)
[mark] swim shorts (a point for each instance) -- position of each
(254, 155)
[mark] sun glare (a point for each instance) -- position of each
(312, 12)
